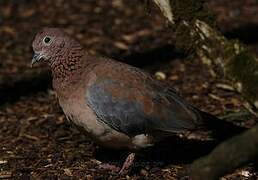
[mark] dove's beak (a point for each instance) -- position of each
(36, 57)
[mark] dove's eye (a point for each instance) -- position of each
(47, 40)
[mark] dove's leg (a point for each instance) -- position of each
(128, 163)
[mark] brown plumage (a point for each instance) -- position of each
(118, 105)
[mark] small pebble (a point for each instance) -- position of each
(160, 75)
(3, 161)
(121, 45)
(144, 172)
(245, 173)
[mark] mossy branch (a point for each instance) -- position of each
(196, 31)
(227, 156)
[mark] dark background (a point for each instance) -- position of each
(36, 141)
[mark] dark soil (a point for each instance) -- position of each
(35, 139)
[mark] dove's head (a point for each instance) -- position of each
(51, 43)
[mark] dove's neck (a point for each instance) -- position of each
(67, 62)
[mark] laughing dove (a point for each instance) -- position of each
(118, 105)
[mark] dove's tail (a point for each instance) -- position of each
(221, 129)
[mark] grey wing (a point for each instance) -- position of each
(136, 111)
(121, 114)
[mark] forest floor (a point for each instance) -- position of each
(35, 139)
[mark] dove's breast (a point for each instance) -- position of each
(74, 103)
(77, 111)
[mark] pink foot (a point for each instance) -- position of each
(128, 163)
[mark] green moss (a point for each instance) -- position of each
(241, 67)
(184, 40)
(190, 10)
(244, 68)
(189, 41)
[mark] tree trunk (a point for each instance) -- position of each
(196, 31)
